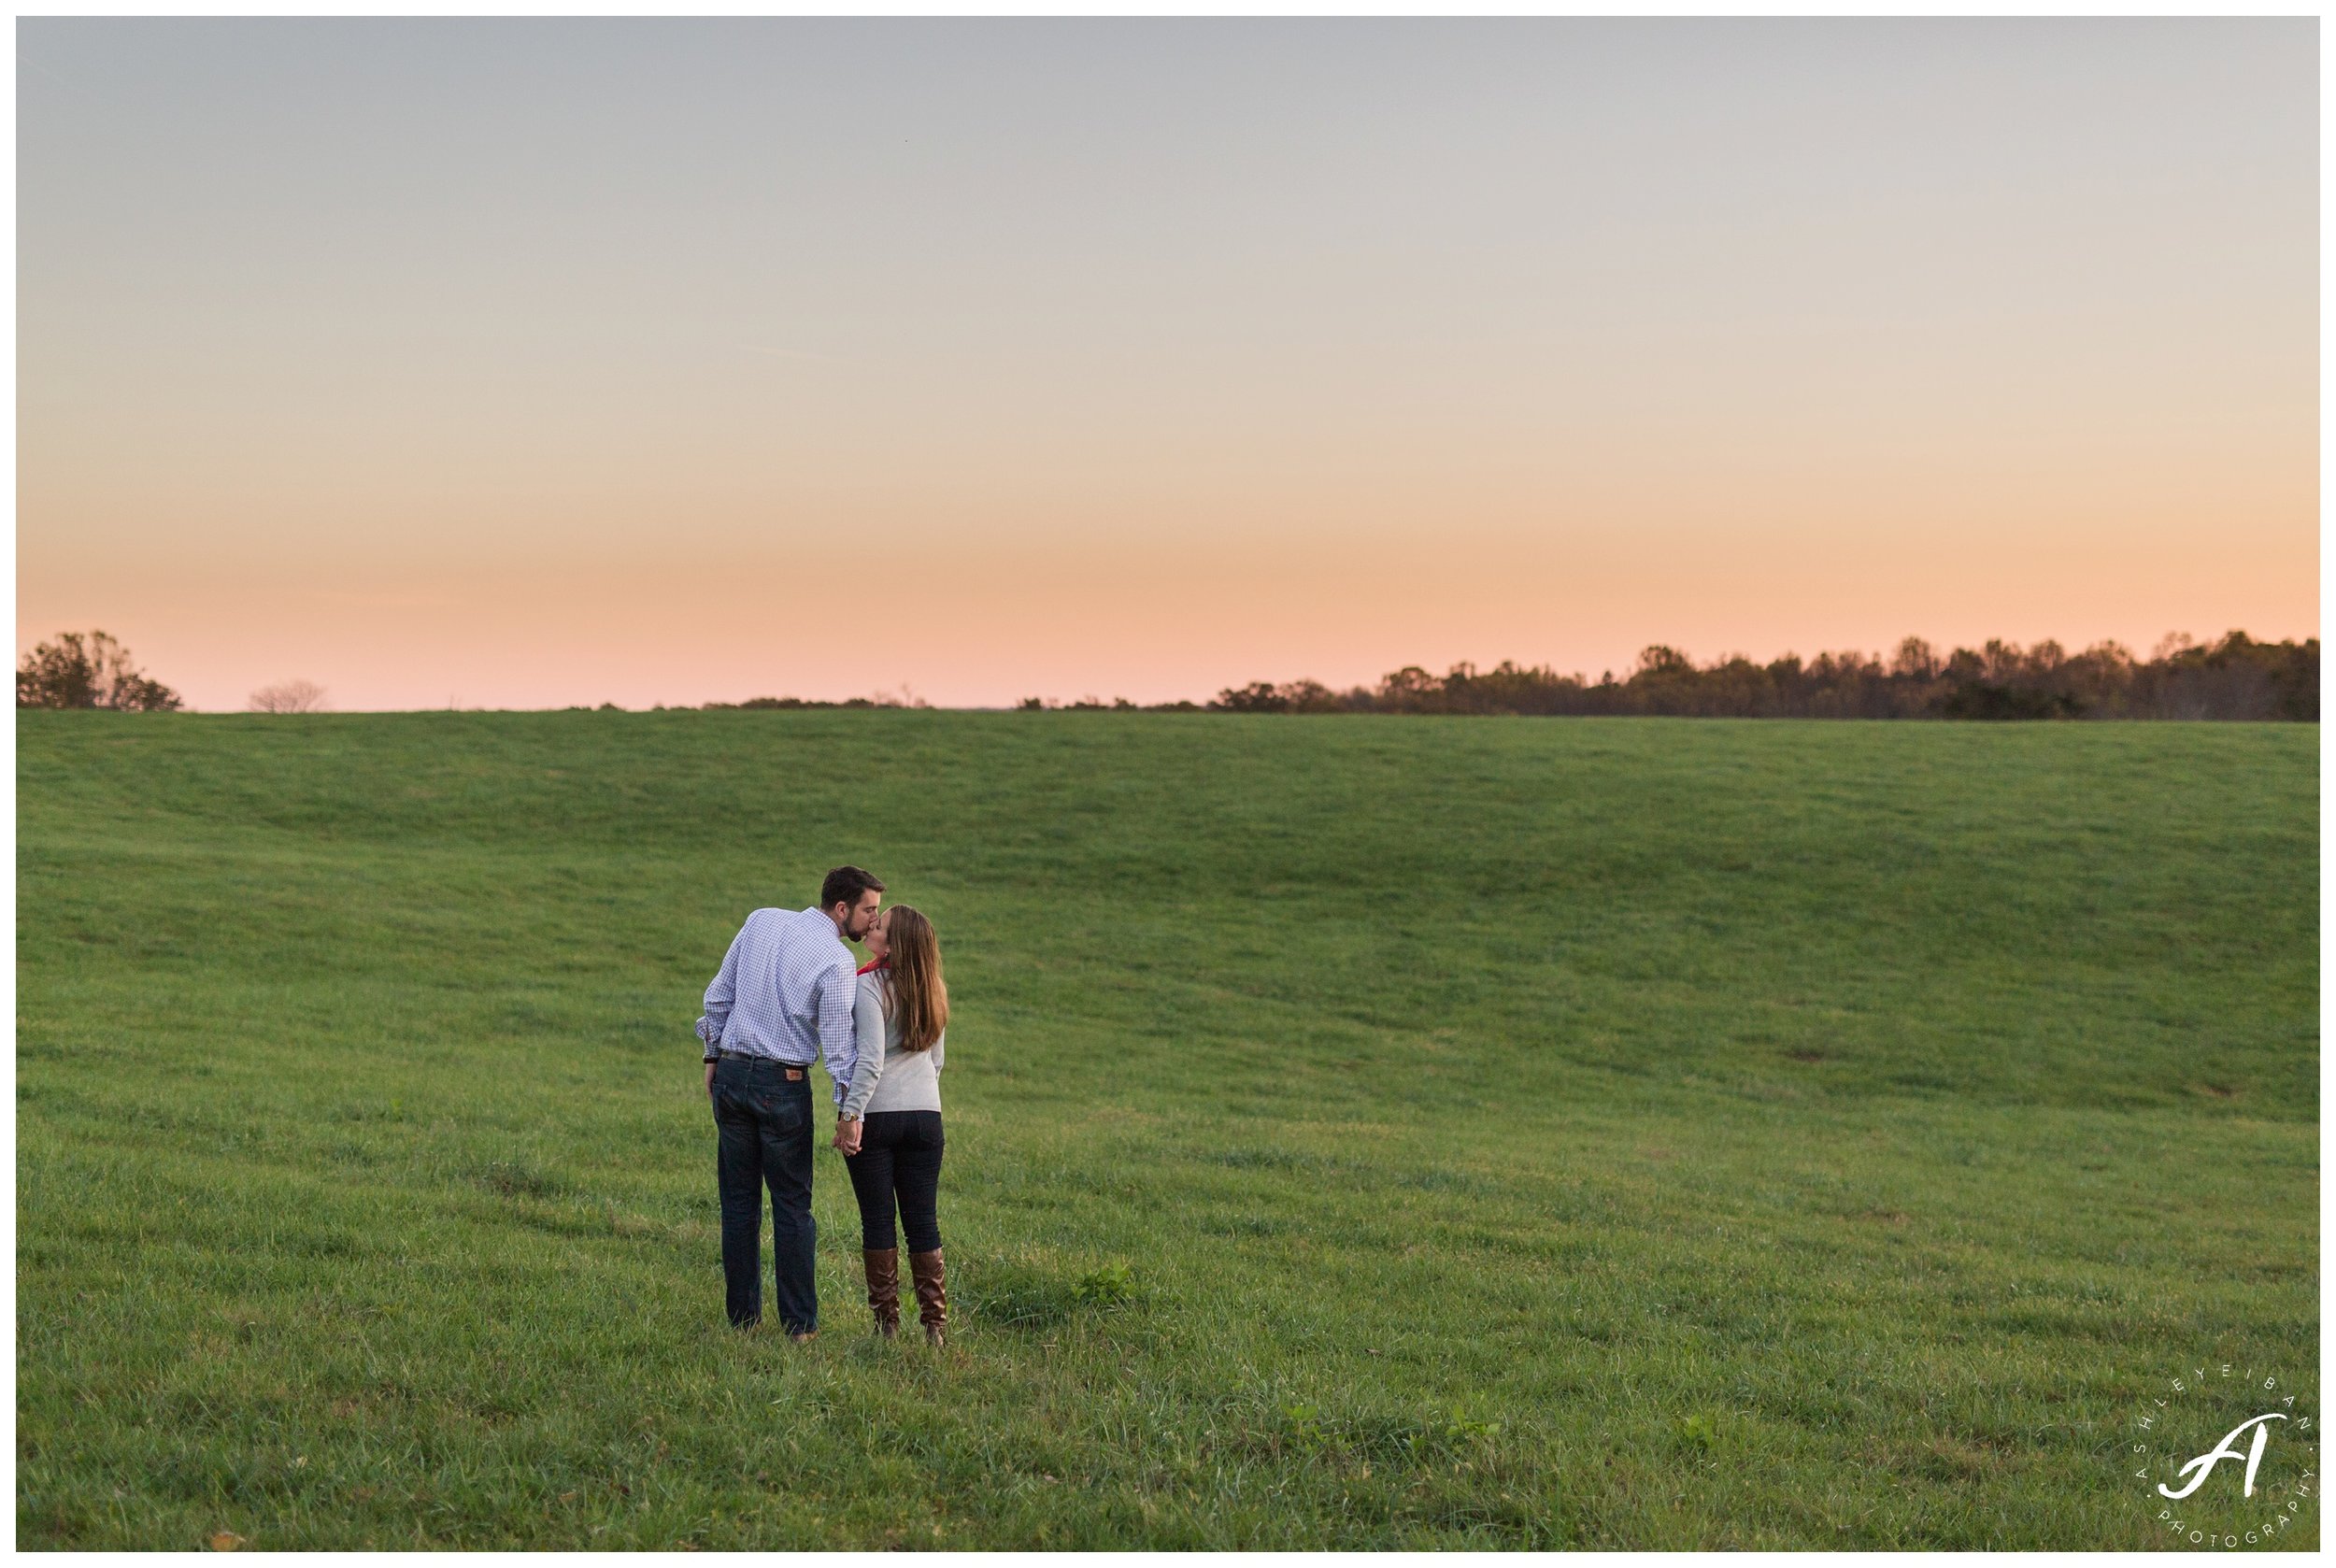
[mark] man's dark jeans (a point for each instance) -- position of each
(764, 1119)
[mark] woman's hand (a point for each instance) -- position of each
(848, 1135)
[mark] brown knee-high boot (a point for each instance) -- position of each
(883, 1288)
(932, 1296)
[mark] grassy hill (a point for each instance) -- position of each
(1362, 1131)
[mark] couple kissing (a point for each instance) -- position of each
(791, 995)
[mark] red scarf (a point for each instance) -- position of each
(874, 964)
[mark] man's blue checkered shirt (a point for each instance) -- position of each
(785, 991)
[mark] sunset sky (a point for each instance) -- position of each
(523, 364)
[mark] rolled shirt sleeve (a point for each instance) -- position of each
(838, 988)
(720, 996)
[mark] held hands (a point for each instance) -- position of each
(848, 1135)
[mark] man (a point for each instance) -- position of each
(783, 1000)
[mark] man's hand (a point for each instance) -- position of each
(847, 1135)
(709, 1080)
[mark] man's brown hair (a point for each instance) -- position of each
(844, 886)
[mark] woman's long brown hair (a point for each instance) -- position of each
(919, 997)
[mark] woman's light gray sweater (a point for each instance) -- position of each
(885, 1077)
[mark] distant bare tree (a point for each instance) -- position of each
(289, 696)
(93, 671)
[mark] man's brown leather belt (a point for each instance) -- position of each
(794, 1069)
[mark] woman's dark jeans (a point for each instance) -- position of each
(764, 1117)
(899, 1159)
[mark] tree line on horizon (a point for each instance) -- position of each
(2235, 678)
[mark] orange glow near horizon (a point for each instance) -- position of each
(1143, 362)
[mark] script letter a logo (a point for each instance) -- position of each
(2205, 1463)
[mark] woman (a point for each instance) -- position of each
(895, 1095)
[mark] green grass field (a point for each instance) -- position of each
(1363, 1131)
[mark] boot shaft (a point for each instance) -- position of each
(883, 1270)
(932, 1296)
